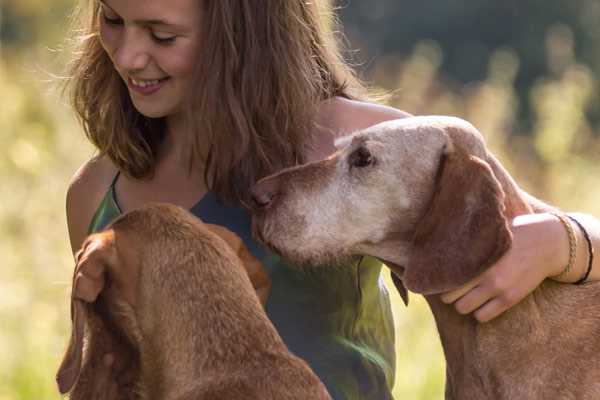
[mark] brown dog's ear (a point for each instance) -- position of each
(464, 230)
(70, 367)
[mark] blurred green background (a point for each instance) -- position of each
(524, 72)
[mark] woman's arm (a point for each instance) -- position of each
(540, 250)
(86, 189)
(342, 116)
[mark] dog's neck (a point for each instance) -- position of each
(470, 348)
(188, 348)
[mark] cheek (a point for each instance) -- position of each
(108, 38)
(178, 62)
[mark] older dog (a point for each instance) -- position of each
(425, 196)
(179, 318)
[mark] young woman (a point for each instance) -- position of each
(191, 101)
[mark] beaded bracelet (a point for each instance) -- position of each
(572, 245)
(590, 250)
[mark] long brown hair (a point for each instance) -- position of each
(263, 68)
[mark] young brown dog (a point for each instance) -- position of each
(176, 317)
(424, 195)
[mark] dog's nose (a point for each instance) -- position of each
(263, 193)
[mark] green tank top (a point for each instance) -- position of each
(338, 319)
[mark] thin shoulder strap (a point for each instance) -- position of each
(114, 181)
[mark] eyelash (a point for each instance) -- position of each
(159, 40)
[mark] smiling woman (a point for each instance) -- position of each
(152, 55)
(190, 102)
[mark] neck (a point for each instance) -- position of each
(500, 359)
(176, 144)
(177, 151)
(197, 342)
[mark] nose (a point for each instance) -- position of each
(131, 54)
(263, 193)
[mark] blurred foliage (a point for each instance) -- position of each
(526, 78)
(469, 32)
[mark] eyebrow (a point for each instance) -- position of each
(148, 21)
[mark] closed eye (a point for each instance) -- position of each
(162, 38)
(111, 21)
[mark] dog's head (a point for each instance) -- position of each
(416, 193)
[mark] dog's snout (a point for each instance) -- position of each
(263, 193)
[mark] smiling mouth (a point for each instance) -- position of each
(146, 86)
(147, 82)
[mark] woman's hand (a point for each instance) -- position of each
(97, 260)
(540, 249)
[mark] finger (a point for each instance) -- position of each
(78, 255)
(86, 288)
(452, 296)
(491, 309)
(91, 265)
(228, 236)
(263, 295)
(473, 299)
(108, 360)
(105, 379)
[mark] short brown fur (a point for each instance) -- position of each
(181, 318)
(435, 206)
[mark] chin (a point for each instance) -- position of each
(153, 110)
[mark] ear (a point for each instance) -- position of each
(464, 230)
(70, 367)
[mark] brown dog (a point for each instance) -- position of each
(425, 196)
(175, 317)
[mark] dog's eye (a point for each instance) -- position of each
(361, 158)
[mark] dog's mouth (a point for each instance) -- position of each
(397, 269)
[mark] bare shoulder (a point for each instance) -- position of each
(86, 189)
(343, 116)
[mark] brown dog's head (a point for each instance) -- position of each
(417, 193)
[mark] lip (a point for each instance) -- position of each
(147, 90)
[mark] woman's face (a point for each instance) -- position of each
(152, 44)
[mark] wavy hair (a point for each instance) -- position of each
(263, 68)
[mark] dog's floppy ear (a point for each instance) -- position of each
(88, 376)
(463, 231)
(70, 367)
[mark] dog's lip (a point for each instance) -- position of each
(398, 269)
(255, 229)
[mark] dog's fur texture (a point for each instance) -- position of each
(188, 326)
(425, 196)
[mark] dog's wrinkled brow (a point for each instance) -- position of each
(349, 140)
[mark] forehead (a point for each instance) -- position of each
(175, 12)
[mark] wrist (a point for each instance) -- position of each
(569, 252)
(559, 245)
(547, 239)
(568, 248)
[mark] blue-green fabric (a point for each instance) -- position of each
(338, 318)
